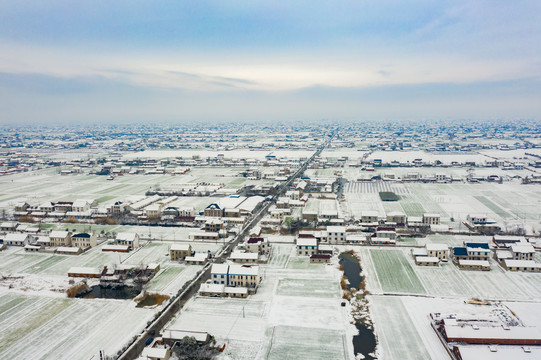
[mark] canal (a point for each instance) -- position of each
(365, 342)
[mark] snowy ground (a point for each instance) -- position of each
(39, 319)
(509, 203)
(37, 187)
(403, 296)
(42, 327)
(296, 313)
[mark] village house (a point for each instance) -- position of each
(326, 215)
(154, 211)
(306, 246)
(521, 265)
(60, 238)
(244, 275)
(87, 272)
(180, 251)
(369, 217)
(68, 250)
(506, 241)
(8, 226)
(441, 251)
(128, 238)
(214, 225)
(244, 257)
(17, 239)
(115, 248)
(427, 260)
(472, 251)
(219, 274)
(397, 217)
(431, 219)
(474, 264)
(320, 258)
(204, 235)
(257, 245)
(473, 334)
(522, 251)
(80, 206)
(197, 259)
(33, 247)
(213, 210)
(156, 353)
(336, 234)
(84, 240)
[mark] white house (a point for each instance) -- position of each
(441, 251)
(523, 251)
(336, 234)
(80, 206)
(431, 219)
(84, 240)
(17, 239)
(128, 238)
(306, 246)
(60, 238)
(219, 273)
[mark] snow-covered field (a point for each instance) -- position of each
(37, 187)
(39, 320)
(509, 203)
(296, 313)
(42, 327)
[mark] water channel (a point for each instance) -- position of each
(365, 342)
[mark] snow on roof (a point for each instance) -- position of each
(476, 352)
(236, 290)
(336, 229)
(427, 259)
(243, 255)
(521, 263)
(67, 249)
(522, 248)
(80, 203)
(474, 262)
(219, 269)
(197, 257)
(158, 353)
(237, 269)
(180, 247)
(84, 270)
(306, 242)
(15, 237)
(437, 247)
(432, 215)
(58, 234)
(114, 247)
(212, 288)
(492, 332)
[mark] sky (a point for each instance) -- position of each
(173, 61)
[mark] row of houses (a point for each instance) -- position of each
(476, 255)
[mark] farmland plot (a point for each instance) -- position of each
(36, 327)
(395, 273)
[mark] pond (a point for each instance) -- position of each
(365, 342)
(101, 292)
